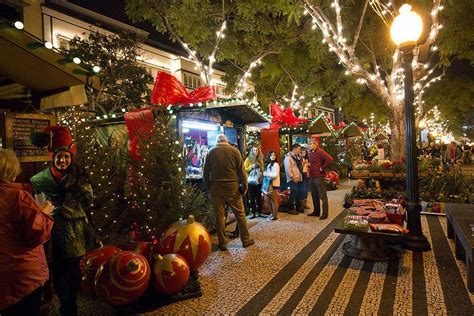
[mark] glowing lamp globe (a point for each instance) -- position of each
(407, 26)
(189, 239)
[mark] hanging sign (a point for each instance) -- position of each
(18, 127)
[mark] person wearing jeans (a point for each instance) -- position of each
(320, 161)
(293, 170)
(272, 170)
(254, 168)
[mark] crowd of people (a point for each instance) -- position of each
(50, 232)
(230, 180)
(449, 153)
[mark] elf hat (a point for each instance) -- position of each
(57, 138)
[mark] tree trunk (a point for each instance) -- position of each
(397, 125)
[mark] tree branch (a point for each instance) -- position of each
(359, 28)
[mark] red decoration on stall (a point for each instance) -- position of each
(170, 273)
(338, 127)
(270, 140)
(169, 90)
(333, 177)
(89, 264)
(122, 279)
(140, 127)
(189, 239)
(284, 116)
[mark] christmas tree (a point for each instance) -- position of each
(157, 191)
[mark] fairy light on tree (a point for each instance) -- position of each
(389, 89)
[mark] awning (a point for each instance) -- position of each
(320, 126)
(238, 112)
(73, 96)
(380, 136)
(26, 61)
(350, 130)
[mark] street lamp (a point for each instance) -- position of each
(406, 29)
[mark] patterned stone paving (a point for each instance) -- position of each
(297, 267)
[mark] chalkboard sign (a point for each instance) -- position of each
(18, 127)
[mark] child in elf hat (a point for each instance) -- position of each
(68, 188)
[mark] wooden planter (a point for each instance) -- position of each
(387, 174)
(359, 174)
(374, 174)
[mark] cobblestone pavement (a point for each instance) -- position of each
(297, 267)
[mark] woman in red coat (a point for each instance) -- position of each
(24, 228)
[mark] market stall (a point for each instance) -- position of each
(199, 126)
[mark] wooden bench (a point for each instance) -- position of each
(460, 220)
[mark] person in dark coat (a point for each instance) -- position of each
(225, 176)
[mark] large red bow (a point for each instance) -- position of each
(284, 116)
(169, 90)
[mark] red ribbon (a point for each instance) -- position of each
(169, 90)
(140, 127)
(284, 116)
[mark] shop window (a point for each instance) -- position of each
(199, 137)
(220, 90)
(63, 42)
(191, 81)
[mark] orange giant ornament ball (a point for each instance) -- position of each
(122, 279)
(170, 273)
(89, 264)
(189, 239)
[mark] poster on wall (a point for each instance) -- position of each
(17, 128)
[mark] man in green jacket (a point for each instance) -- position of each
(223, 172)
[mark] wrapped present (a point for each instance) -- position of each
(356, 224)
(388, 228)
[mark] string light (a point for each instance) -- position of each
(393, 87)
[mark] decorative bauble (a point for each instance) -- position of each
(170, 273)
(189, 239)
(333, 177)
(122, 279)
(89, 264)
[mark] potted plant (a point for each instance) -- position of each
(374, 170)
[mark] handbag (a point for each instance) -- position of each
(255, 176)
(267, 186)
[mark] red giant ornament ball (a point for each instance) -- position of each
(91, 262)
(170, 273)
(122, 279)
(189, 239)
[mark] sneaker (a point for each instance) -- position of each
(293, 212)
(323, 217)
(248, 243)
(313, 214)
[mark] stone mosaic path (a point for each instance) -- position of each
(297, 267)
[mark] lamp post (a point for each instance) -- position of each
(406, 29)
